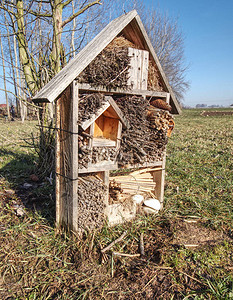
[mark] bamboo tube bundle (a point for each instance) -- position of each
(134, 183)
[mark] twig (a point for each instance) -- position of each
(117, 76)
(114, 242)
(126, 255)
(193, 278)
(141, 245)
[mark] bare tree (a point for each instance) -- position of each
(4, 76)
(42, 50)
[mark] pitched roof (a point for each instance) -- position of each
(130, 25)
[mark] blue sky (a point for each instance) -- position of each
(207, 26)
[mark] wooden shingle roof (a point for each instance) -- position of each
(130, 25)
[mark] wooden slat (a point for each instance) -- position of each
(110, 128)
(74, 156)
(145, 165)
(58, 165)
(159, 178)
(101, 89)
(144, 73)
(102, 142)
(105, 166)
(59, 82)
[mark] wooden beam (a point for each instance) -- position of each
(104, 166)
(74, 155)
(58, 164)
(159, 178)
(83, 87)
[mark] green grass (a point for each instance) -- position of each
(37, 262)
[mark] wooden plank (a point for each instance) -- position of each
(74, 156)
(168, 98)
(101, 89)
(105, 177)
(59, 82)
(58, 164)
(110, 128)
(145, 165)
(159, 178)
(138, 70)
(103, 166)
(119, 132)
(102, 142)
(95, 116)
(131, 80)
(144, 73)
(99, 127)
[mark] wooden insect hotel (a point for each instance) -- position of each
(114, 113)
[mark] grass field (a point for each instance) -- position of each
(188, 246)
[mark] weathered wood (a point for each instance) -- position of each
(105, 177)
(101, 89)
(118, 143)
(138, 72)
(159, 178)
(168, 98)
(57, 85)
(58, 165)
(101, 166)
(102, 142)
(74, 156)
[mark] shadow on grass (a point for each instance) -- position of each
(34, 195)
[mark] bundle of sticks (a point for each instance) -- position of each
(91, 194)
(109, 69)
(140, 142)
(88, 105)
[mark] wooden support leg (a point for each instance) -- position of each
(159, 178)
(105, 177)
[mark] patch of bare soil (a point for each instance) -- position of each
(216, 113)
(192, 233)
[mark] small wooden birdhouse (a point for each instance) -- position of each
(103, 134)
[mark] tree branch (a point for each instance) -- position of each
(81, 11)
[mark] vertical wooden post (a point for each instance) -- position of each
(58, 164)
(73, 206)
(105, 177)
(159, 178)
(168, 98)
